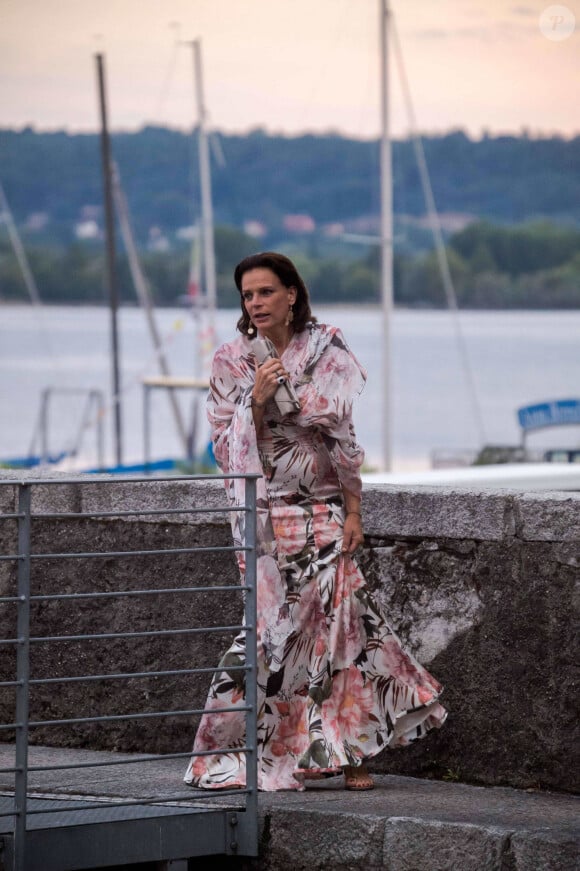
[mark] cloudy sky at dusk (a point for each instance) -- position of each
(289, 65)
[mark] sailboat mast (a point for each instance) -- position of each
(205, 179)
(14, 236)
(145, 298)
(386, 242)
(111, 258)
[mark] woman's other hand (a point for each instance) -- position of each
(352, 536)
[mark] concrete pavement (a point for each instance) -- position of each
(405, 824)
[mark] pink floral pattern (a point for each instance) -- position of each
(335, 686)
(348, 709)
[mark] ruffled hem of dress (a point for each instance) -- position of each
(301, 774)
(411, 725)
(233, 781)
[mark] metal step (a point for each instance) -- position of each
(65, 835)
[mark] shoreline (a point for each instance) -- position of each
(323, 306)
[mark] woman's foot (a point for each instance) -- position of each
(357, 778)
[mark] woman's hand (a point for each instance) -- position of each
(352, 536)
(267, 381)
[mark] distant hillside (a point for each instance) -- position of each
(53, 179)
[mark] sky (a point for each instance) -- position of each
(291, 66)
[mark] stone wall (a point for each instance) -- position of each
(480, 586)
(483, 589)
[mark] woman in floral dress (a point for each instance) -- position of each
(335, 686)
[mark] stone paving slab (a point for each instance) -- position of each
(404, 824)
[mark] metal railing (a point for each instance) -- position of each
(26, 559)
(92, 416)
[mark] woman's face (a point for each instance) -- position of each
(266, 299)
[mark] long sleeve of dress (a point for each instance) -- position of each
(230, 414)
(330, 388)
(234, 437)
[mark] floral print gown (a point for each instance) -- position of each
(334, 684)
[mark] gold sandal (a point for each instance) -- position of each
(357, 778)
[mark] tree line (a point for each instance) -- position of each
(505, 179)
(522, 195)
(535, 265)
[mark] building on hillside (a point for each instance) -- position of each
(299, 223)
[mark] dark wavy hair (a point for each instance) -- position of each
(288, 274)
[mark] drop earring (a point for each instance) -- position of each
(251, 329)
(289, 316)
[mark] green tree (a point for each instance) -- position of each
(361, 284)
(515, 250)
(231, 246)
(493, 290)
(327, 285)
(422, 282)
(482, 260)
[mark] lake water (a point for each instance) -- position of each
(516, 358)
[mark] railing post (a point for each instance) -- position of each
(146, 427)
(100, 406)
(22, 676)
(44, 447)
(251, 652)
